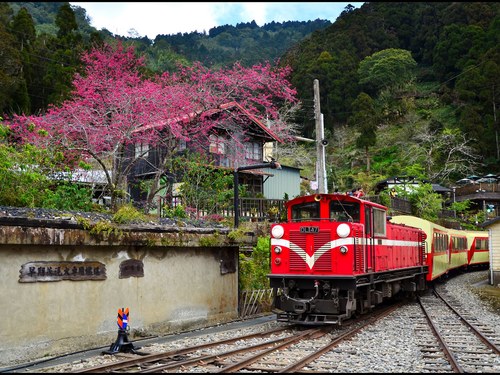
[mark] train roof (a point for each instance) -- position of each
(334, 196)
(427, 225)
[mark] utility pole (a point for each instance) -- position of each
(323, 155)
(320, 142)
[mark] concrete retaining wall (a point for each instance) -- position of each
(179, 279)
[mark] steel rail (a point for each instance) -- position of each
(159, 356)
(308, 359)
(483, 338)
(284, 344)
(447, 352)
(209, 358)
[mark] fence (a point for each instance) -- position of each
(397, 204)
(258, 209)
(401, 205)
(476, 188)
(254, 302)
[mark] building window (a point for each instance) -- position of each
(253, 151)
(217, 145)
(141, 150)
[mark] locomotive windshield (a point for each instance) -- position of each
(305, 211)
(344, 211)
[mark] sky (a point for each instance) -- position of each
(154, 18)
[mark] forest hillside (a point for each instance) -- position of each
(407, 88)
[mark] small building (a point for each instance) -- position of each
(408, 183)
(484, 195)
(282, 181)
(222, 149)
(493, 227)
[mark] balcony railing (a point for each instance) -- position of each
(397, 204)
(477, 188)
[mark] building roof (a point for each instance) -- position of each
(227, 106)
(441, 189)
(487, 223)
(408, 180)
(93, 176)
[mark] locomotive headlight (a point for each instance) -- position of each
(277, 261)
(343, 249)
(277, 249)
(277, 231)
(343, 230)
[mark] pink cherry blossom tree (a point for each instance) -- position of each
(114, 106)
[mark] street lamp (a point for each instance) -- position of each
(273, 164)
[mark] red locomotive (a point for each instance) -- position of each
(338, 255)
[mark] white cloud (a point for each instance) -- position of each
(151, 19)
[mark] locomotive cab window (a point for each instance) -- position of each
(305, 211)
(344, 211)
(379, 222)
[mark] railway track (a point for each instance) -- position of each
(403, 342)
(286, 349)
(453, 340)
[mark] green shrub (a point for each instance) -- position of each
(175, 212)
(68, 196)
(255, 268)
(128, 214)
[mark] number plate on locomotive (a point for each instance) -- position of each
(309, 229)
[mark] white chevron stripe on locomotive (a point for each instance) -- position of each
(311, 260)
(308, 259)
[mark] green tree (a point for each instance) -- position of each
(64, 56)
(452, 50)
(66, 21)
(365, 120)
(425, 202)
(12, 85)
(204, 188)
(477, 89)
(388, 69)
(24, 30)
(25, 171)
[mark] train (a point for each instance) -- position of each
(337, 256)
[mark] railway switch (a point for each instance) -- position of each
(122, 344)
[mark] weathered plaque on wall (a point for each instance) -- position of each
(131, 268)
(227, 263)
(32, 272)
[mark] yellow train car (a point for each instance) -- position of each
(447, 249)
(459, 249)
(478, 255)
(437, 249)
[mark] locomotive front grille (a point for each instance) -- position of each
(358, 251)
(297, 243)
(299, 246)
